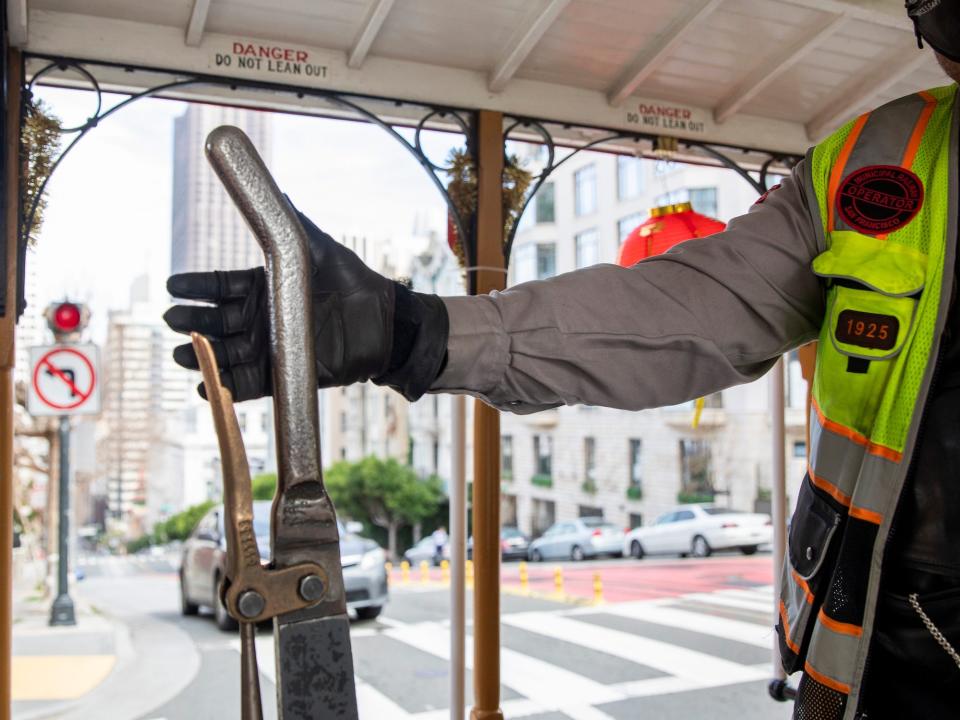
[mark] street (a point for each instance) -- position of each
(672, 639)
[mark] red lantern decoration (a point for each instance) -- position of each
(667, 226)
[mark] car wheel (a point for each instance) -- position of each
(369, 613)
(636, 550)
(220, 614)
(535, 556)
(700, 547)
(186, 607)
(748, 549)
(576, 553)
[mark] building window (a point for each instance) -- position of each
(629, 177)
(590, 459)
(636, 520)
(586, 511)
(343, 422)
(535, 262)
(703, 200)
(242, 420)
(506, 457)
(799, 448)
(544, 205)
(585, 190)
(627, 225)
(636, 477)
(696, 471)
(546, 260)
(587, 248)
(265, 422)
(543, 455)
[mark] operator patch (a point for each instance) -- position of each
(879, 199)
(869, 330)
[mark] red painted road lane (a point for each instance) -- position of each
(647, 581)
(628, 579)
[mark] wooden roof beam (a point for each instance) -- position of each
(861, 90)
(773, 67)
(523, 40)
(369, 29)
(198, 21)
(652, 56)
(17, 22)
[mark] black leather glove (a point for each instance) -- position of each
(366, 327)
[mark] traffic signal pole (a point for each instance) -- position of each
(61, 612)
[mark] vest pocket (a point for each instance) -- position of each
(811, 554)
(872, 294)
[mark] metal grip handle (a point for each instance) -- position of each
(284, 242)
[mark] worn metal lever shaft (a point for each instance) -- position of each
(314, 660)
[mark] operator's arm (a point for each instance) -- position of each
(709, 314)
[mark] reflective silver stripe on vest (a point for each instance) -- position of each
(878, 487)
(836, 654)
(833, 457)
(884, 139)
(798, 609)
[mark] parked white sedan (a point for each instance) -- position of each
(698, 530)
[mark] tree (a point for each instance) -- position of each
(386, 493)
(264, 486)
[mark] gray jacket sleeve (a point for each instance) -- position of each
(709, 314)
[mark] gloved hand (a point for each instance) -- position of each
(366, 327)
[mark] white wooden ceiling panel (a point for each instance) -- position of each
(171, 13)
(331, 23)
(453, 33)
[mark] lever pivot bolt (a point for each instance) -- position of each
(311, 587)
(250, 603)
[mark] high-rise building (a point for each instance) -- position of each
(141, 386)
(208, 232)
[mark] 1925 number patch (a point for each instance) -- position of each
(869, 330)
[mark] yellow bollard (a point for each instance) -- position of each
(405, 571)
(558, 580)
(597, 589)
(524, 578)
(445, 570)
(388, 567)
(469, 573)
(424, 571)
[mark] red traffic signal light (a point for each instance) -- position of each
(67, 319)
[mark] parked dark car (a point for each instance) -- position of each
(204, 555)
(513, 544)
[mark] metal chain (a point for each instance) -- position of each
(934, 630)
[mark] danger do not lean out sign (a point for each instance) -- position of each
(64, 380)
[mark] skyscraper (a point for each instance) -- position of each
(207, 231)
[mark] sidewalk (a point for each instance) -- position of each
(54, 667)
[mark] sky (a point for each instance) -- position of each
(108, 214)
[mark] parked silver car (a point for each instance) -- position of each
(204, 555)
(578, 539)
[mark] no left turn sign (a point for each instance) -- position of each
(64, 380)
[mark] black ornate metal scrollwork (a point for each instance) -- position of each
(461, 118)
(539, 128)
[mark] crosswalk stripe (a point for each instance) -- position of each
(744, 632)
(721, 601)
(550, 686)
(372, 703)
(673, 660)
